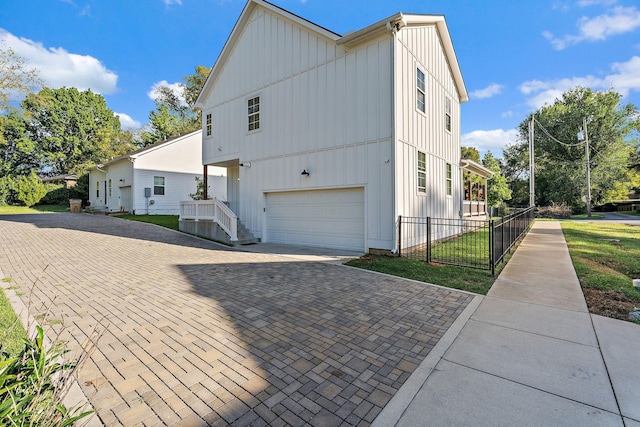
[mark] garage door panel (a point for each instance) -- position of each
(329, 218)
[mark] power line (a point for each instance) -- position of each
(546, 132)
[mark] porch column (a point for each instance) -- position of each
(205, 179)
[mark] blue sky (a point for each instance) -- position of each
(515, 55)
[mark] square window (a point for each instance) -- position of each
(422, 172)
(158, 185)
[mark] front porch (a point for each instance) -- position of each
(213, 219)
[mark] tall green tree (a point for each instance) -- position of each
(71, 129)
(470, 153)
(175, 113)
(17, 150)
(560, 161)
(498, 191)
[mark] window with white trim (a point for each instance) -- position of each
(421, 96)
(158, 185)
(253, 111)
(448, 181)
(208, 124)
(110, 192)
(422, 172)
(447, 114)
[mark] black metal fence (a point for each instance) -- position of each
(467, 243)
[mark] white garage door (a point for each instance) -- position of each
(325, 218)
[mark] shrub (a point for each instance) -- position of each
(56, 194)
(81, 189)
(29, 189)
(555, 211)
(6, 190)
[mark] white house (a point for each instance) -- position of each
(154, 179)
(327, 139)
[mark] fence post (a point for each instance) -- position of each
(428, 239)
(399, 235)
(491, 247)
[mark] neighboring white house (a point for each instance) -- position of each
(327, 139)
(154, 179)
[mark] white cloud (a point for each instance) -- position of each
(625, 77)
(490, 140)
(507, 114)
(59, 68)
(487, 92)
(618, 20)
(127, 122)
(175, 87)
(170, 2)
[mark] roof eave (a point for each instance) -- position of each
(235, 34)
(476, 168)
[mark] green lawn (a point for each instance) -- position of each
(467, 279)
(11, 330)
(584, 216)
(168, 221)
(17, 210)
(606, 257)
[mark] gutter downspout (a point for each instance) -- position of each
(393, 29)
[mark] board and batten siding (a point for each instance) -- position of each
(420, 47)
(322, 109)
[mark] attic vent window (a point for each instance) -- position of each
(208, 123)
(253, 110)
(420, 90)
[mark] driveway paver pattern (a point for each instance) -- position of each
(198, 334)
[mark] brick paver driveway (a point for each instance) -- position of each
(203, 335)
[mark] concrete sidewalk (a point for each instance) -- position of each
(528, 353)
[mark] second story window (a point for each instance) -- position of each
(447, 114)
(208, 124)
(253, 110)
(420, 90)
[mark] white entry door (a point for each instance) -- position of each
(325, 218)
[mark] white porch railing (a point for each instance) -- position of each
(474, 208)
(211, 210)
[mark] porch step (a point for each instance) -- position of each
(97, 210)
(245, 237)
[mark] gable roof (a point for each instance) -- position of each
(237, 31)
(149, 148)
(400, 20)
(394, 22)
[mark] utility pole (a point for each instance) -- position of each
(586, 153)
(532, 185)
(585, 135)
